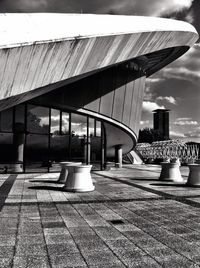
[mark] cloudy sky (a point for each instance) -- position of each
(177, 86)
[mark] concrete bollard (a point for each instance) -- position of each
(64, 171)
(170, 171)
(79, 179)
(194, 175)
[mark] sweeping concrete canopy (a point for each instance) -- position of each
(23, 29)
(41, 49)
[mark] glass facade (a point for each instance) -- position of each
(46, 136)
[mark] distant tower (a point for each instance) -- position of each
(161, 122)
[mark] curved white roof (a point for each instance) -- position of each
(24, 28)
(40, 50)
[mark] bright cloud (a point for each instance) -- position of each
(154, 80)
(185, 122)
(171, 6)
(169, 99)
(158, 7)
(176, 134)
(44, 121)
(185, 68)
(183, 119)
(193, 133)
(146, 122)
(149, 106)
(182, 73)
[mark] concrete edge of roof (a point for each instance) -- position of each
(29, 28)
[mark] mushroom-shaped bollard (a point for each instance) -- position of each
(64, 171)
(194, 175)
(79, 179)
(170, 171)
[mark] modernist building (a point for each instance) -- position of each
(71, 85)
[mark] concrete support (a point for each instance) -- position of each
(18, 142)
(194, 175)
(64, 171)
(79, 179)
(87, 150)
(170, 171)
(118, 156)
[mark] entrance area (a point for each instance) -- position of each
(38, 138)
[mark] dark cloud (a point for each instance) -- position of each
(126, 7)
(195, 11)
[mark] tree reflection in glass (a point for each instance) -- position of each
(37, 119)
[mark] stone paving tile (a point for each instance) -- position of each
(30, 239)
(101, 258)
(68, 260)
(6, 251)
(61, 249)
(107, 266)
(108, 233)
(57, 239)
(55, 231)
(7, 240)
(30, 228)
(31, 262)
(52, 224)
(94, 244)
(6, 262)
(32, 250)
(45, 228)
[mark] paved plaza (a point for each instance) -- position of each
(131, 220)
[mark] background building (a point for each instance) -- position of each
(161, 122)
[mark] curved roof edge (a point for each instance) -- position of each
(28, 28)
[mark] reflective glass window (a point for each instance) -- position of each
(37, 119)
(78, 125)
(91, 127)
(65, 123)
(6, 120)
(95, 149)
(59, 148)
(55, 122)
(78, 148)
(98, 129)
(37, 148)
(19, 124)
(6, 147)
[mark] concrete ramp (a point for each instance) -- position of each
(132, 158)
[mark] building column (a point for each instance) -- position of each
(118, 156)
(87, 150)
(18, 142)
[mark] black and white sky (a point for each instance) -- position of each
(175, 87)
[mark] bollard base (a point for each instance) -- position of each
(170, 172)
